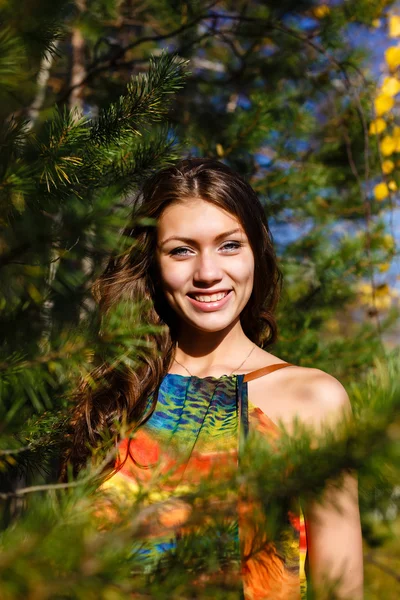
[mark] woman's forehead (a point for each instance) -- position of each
(196, 216)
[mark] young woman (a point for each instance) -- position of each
(208, 273)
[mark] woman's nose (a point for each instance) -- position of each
(207, 269)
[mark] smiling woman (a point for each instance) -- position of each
(208, 273)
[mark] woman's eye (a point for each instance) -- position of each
(230, 246)
(179, 251)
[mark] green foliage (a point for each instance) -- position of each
(12, 55)
(286, 107)
(145, 100)
(87, 559)
(59, 188)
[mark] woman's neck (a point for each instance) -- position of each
(205, 352)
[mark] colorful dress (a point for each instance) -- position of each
(196, 432)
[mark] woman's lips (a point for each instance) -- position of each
(210, 306)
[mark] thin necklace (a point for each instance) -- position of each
(237, 368)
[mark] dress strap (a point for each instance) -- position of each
(266, 370)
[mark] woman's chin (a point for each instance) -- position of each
(210, 324)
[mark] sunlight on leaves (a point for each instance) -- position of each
(392, 56)
(383, 104)
(394, 26)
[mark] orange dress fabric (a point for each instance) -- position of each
(193, 434)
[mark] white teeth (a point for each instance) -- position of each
(212, 298)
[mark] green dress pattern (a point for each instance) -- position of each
(195, 433)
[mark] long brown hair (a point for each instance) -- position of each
(133, 277)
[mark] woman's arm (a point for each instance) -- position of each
(334, 538)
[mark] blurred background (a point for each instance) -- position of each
(302, 98)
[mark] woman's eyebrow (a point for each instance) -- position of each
(191, 241)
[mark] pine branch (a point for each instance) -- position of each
(75, 153)
(12, 58)
(90, 479)
(370, 558)
(17, 363)
(138, 159)
(311, 459)
(146, 100)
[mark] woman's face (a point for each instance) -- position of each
(206, 264)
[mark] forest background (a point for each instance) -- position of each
(292, 96)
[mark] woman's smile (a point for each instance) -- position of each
(209, 302)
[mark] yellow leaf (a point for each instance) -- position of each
(387, 166)
(33, 270)
(392, 186)
(34, 293)
(18, 201)
(381, 299)
(392, 56)
(383, 303)
(390, 86)
(383, 104)
(382, 290)
(388, 145)
(364, 288)
(376, 23)
(384, 267)
(332, 325)
(321, 202)
(388, 241)
(377, 126)
(220, 149)
(381, 191)
(394, 26)
(321, 11)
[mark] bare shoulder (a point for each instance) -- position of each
(313, 396)
(319, 399)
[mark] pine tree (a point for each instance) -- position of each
(275, 92)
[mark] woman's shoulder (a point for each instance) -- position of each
(312, 395)
(325, 395)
